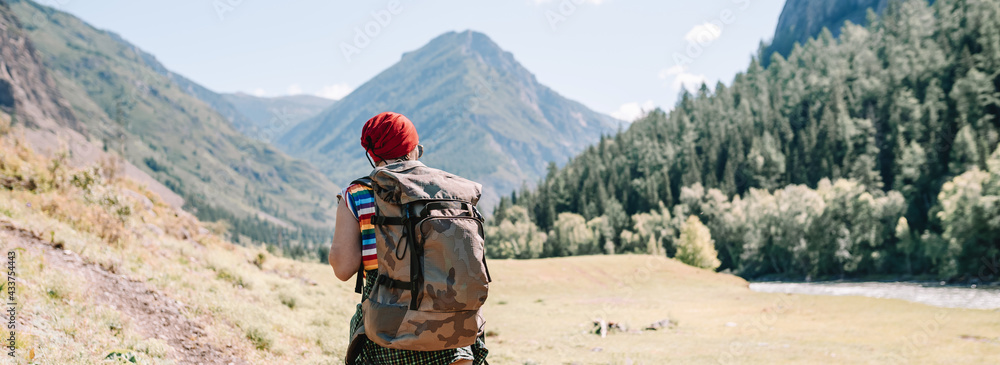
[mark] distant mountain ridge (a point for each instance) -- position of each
(266, 118)
(213, 99)
(260, 118)
(480, 113)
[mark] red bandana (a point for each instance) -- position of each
(389, 135)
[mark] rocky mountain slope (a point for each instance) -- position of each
(127, 103)
(31, 98)
(479, 112)
(803, 19)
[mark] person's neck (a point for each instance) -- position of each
(389, 162)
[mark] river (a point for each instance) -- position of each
(930, 294)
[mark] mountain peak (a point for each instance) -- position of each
(481, 114)
(465, 44)
(468, 38)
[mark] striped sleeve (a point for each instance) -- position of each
(361, 202)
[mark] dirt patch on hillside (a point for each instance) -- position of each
(153, 314)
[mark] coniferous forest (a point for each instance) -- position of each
(869, 154)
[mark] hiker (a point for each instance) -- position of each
(413, 233)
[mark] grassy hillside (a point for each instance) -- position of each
(105, 269)
(133, 106)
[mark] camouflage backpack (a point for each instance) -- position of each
(432, 275)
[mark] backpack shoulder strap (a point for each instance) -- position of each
(359, 285)
(364, 180)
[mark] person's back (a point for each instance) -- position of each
(425, 277)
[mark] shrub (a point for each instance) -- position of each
(259, 260)
(233, 278)
(288, 300)
(260, 339)
(515, 237)
(696, 247)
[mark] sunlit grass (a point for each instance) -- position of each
(268, 309)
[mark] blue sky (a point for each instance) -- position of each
(615, 56)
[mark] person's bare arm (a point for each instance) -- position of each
(345, 252)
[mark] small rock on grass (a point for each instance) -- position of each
(662, 324)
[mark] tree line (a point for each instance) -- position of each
(299, 241)
(875, 153)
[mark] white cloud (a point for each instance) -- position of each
(673, 71)
(681, 78)
(294, 89)
(258, 92)
(334, 92)
(632, 111)
(703, 33)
